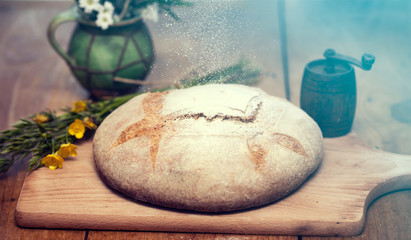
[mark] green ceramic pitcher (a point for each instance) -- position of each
(107, 62)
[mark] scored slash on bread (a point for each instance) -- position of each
(154, 125)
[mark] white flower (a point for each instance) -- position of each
(89, 5)
(150, 13)
(104, 20)
(107, 8)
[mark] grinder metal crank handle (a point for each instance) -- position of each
(365, 63)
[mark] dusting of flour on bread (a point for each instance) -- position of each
(208, 148)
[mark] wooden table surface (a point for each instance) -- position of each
(33, 78)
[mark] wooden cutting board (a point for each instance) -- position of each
(332, 202)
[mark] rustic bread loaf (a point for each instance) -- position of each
(209, 148)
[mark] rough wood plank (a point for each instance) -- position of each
(105, 235)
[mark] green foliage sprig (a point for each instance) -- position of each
(33, 139)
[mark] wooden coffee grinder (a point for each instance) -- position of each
(328, 91)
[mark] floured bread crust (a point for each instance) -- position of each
(209, 148)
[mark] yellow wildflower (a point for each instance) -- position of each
(67, 150)
(77, 129)
(41, 118)
(79, 106)
(53, 161)
(88, 123)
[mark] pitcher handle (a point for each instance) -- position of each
(66, 16)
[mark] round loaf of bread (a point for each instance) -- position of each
(208, 148)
